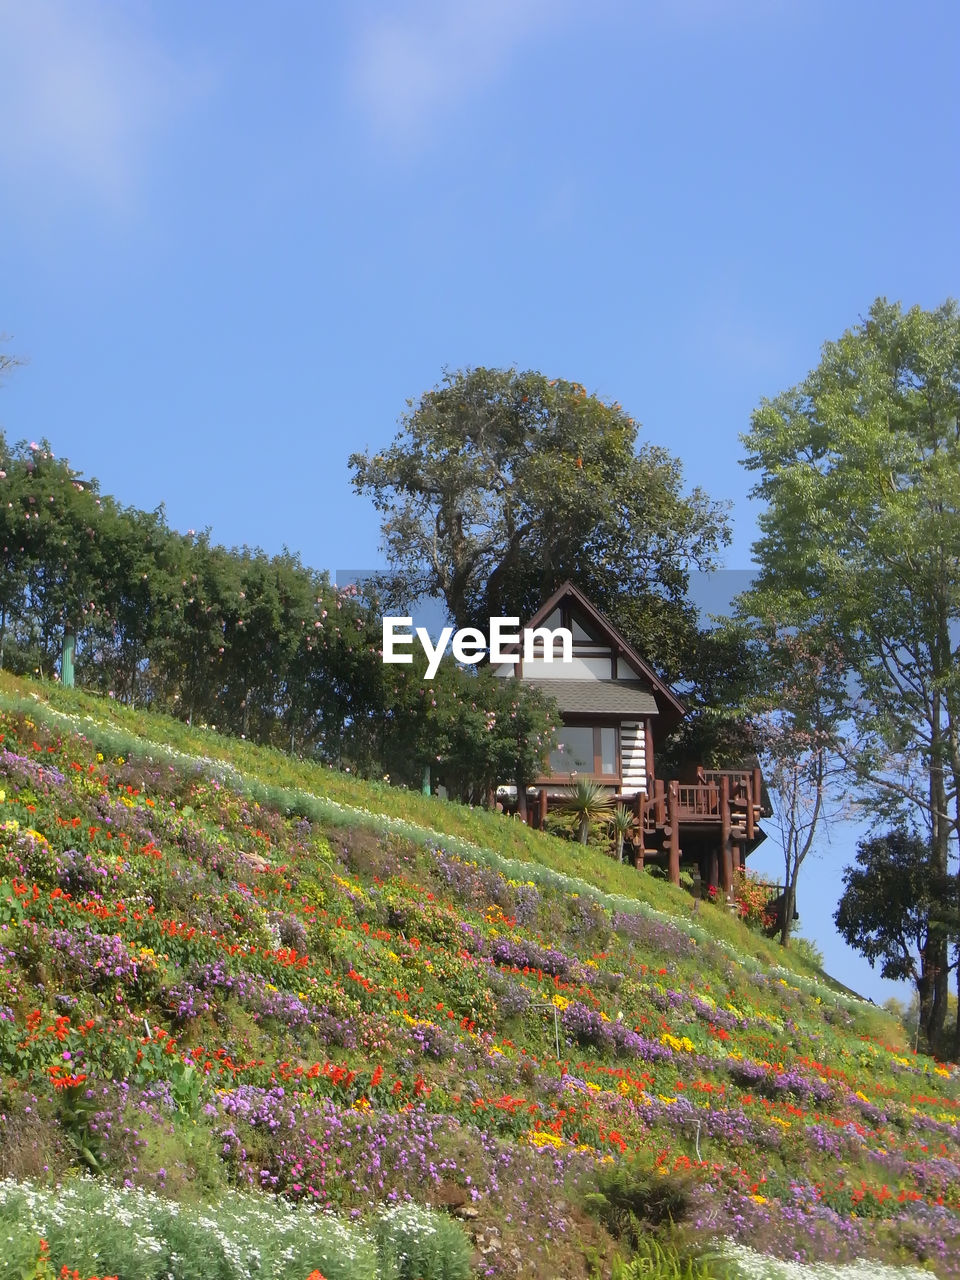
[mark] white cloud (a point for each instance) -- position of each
(82, 88)
(408, 69)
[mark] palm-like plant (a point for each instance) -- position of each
(587, 801)
(622, 821)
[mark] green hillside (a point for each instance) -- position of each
(228, 976)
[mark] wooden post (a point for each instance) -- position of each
(660, 811)
(543, 808)
(673, 817)
(751, 825)
(726, 841)
(648, 762)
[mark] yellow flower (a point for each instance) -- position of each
(561, 1001)
(759, 1199)
(681, 1044)
(538, 1138)
(665, 1100)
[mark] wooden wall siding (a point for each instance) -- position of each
(633, 755)
(578, 669)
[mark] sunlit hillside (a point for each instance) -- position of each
(236, 983)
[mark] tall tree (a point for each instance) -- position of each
(502, 484)
(894, 907)
(860, 470)
(796, 717)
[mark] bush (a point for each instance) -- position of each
(421, 1245)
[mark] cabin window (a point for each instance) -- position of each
(574, 750)
(586, 749)
(608, 749)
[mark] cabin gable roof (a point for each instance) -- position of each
(645, 694)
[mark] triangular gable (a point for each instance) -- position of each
(672, 710)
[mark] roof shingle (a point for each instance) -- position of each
(626, 698)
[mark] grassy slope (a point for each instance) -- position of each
(294, 981)
(143, 730)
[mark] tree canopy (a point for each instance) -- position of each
(893, 908)
(255, 644)
(501, 484)
(859, 465)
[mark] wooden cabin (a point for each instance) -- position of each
(616, 714)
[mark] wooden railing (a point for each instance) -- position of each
(698, 802)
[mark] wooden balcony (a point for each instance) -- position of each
(717, 814)
(727, 801)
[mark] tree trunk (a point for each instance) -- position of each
(924, 995)
(936, 954)
(521, 800)
(789, 907)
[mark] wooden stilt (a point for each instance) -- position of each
(673, 818)
(726, 839)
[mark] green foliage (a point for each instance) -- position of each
(859, 465)
(502, 484)
(621, 822)
(416, 1244)
(586, 801)
(101, 1229)
(806, 950)
(636, 1196)
(655, 1259)
(893, 905)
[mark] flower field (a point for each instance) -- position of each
(209, 1001)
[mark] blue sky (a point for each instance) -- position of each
(235, 238)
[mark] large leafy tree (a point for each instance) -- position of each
(860, 468)
(54, 556)
(894, 907)
(502, 484)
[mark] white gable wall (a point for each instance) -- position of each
(633, 755)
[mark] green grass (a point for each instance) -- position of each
(291, 784)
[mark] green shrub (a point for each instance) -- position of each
(417, 1244)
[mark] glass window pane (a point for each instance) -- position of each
(608, 750)
(574, 750)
